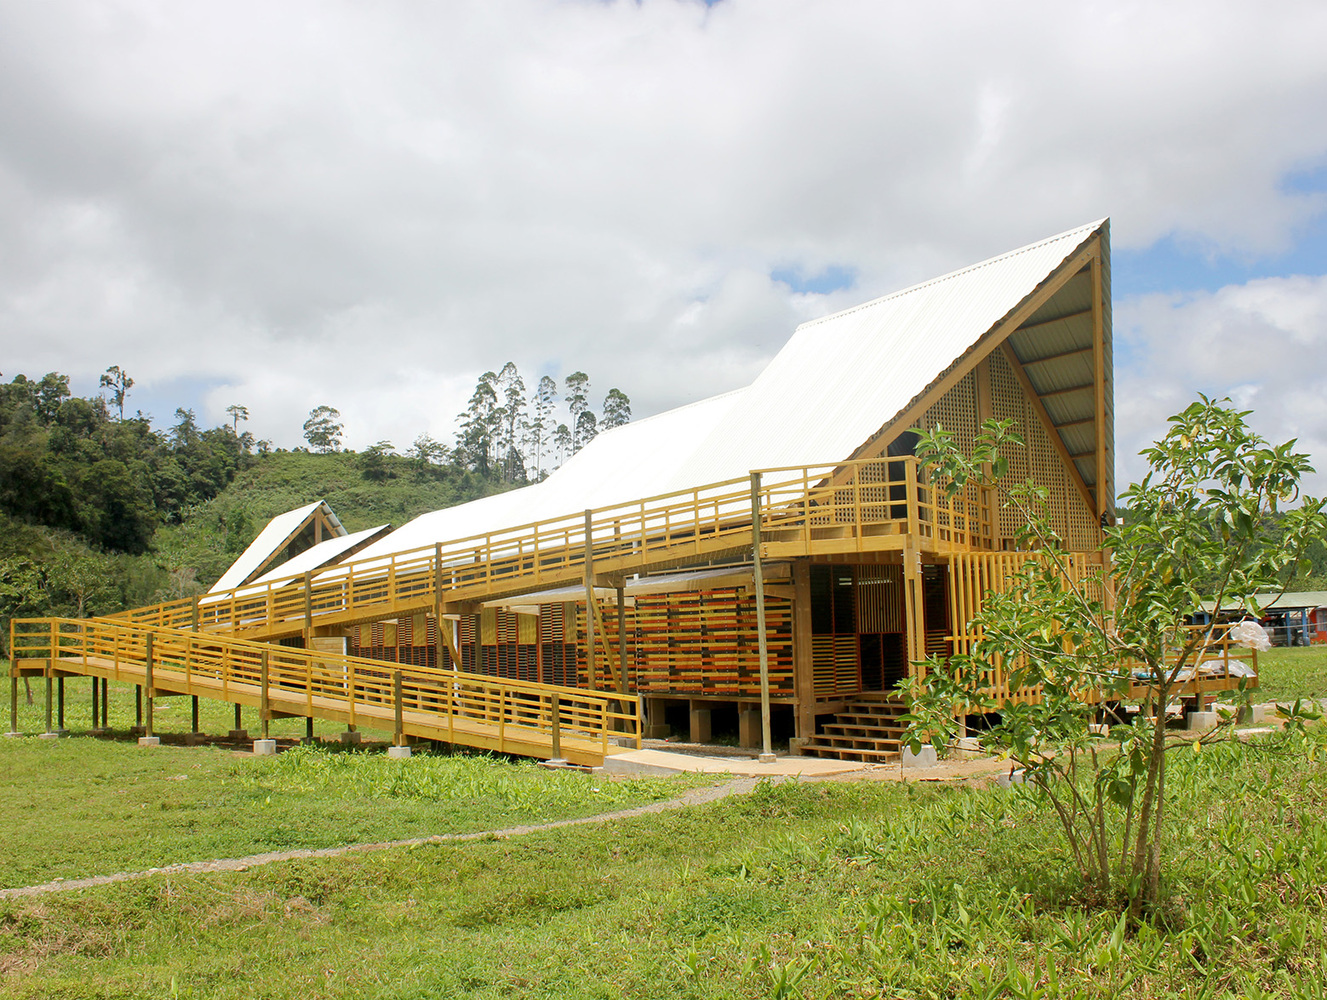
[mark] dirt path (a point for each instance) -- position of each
(956, 771)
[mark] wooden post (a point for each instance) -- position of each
(105, 702)
(48, 699)
(148, 688)
(767, 750)
(399, 737)
(239, 717)
(138, 706)
(804, 682)
(60, 704)
(622, 640)
(96, 706)
(308, 612)
(13, 702)
(308, 729)
(194, 624)
(555, 725)
(591, 661)
(193, 714)
(262, 710)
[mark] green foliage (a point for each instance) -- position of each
(1209, 520)
(813, 889)
(323, 429)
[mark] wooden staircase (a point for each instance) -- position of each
(867, 730)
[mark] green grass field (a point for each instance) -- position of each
(1286, 673)
(829, 889)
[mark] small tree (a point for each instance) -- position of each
(323, 429)
(1209, 520)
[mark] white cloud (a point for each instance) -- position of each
(368, 205)
(1260, 343)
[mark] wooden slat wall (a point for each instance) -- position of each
(705, 643)
(972, 575)
(835, 665)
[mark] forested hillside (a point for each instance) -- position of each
(99, 511)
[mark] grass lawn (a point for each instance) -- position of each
(1286, 673)
(84, 806)
(825, 889)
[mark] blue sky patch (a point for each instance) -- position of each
(831, 279)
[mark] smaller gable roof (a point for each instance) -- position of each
(280, 532)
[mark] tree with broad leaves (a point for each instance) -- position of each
(323, 429)
(118, 381)
(1219, 515)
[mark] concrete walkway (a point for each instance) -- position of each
(650, 761)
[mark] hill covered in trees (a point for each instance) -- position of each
(99, 511)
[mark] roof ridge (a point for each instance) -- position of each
(1089, 227)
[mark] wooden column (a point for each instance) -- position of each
(60, 704)
(622, 640)
(767, 750)
(96, 706)
(398, 714)
(262, 705)
(105, 702)
(591, 661)
(148, 689)
(804, 681)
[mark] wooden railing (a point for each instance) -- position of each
(853, 506)
(975, 575)
(504, 715)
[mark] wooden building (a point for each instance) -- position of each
(633, 568)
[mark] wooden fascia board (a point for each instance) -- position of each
(1040, 409)
(1104, 501)
(993, 338)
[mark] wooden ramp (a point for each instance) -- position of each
(507, 716)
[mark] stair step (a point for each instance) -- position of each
(862, 754)
(879, 732)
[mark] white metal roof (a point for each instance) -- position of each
(272, 539)
(326, 552)
(635, 460)
(841, 378)
(833, 386)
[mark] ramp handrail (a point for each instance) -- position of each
(315, 683)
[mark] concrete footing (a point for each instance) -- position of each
(766, 758)
(13, 734)
(398, 753)
(925, 757)
(194, 739)
(1200, 721)
(1009, 778)
(99, 731)
(350, 737)
(238, 735)
(264, 748)
(308, 741)
(149, 741)
(1098, 729)
(54, 734)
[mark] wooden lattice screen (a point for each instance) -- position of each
(1070, 516)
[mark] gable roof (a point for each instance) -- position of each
(837, 382)
(279, 533)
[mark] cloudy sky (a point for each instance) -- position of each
(366, 205)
